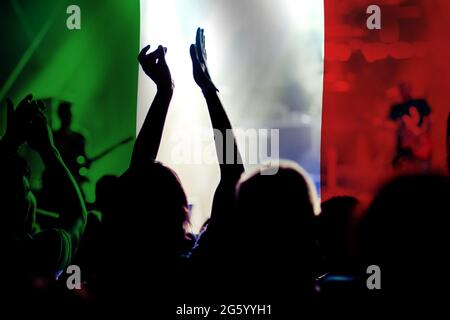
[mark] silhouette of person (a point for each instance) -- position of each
(145, 230)
(71, 144)
(31, 261)
(247, 252)
(275, 237)
(214, 240)
(405, 233)
(335, 226)
(414, 147)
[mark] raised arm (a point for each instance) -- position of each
(230, 171)
(149, 138)
(72, 209)
(16, 128)
(228, 155)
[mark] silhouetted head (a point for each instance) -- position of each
(273, 239)
(154, 205)
(65, 114)
(277, 208)
(335, 227)
(405, 230)
(17, 202)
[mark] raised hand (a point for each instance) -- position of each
(40, 137)
(17, 123)
(155, 66)
(199, 66)
(229, 172)
(27, 124)
(147, 143)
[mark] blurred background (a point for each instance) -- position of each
(94, 68)
(367, 72)
(266, 58)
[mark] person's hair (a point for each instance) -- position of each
(154, 201)
(273, 238)
(282, 204)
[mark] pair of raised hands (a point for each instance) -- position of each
(155, 66)
(27, 123)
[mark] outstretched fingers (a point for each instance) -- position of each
(161, 54)
(143, 53)
(200, 45)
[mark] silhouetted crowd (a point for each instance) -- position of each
(265, 242)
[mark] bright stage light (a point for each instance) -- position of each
(266, 59)
(304, 14)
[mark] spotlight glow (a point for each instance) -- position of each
(264, 56)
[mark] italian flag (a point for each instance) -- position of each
(326, 73)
